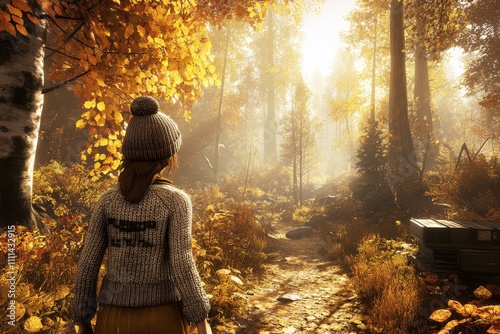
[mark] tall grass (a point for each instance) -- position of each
(389, 286)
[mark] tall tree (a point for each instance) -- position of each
(346, 99)
(400, 148)
(369, 32)
(298, 144)
(481, 39)
(277, 62)
(111, 51)
(270, 152)
(432, 29)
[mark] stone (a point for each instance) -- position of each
(289, 297)
(299, 232)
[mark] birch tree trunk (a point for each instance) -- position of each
(21, 102)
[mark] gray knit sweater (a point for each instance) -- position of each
(150, 259)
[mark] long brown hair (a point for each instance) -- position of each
(136, 176)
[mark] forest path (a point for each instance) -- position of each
(327, 302)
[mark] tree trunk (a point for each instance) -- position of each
(400, 140)
(422, 97)
(270, 153)
(422, 91)
(294, 156)
(374, 67)
(219, 113)
(21, 102)
(301, 152)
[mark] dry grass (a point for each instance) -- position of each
(387, 284)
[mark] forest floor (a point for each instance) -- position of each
(299, 269)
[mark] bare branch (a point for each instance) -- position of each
(69, 18)
(80, 26)
(57, 51)
(59, 85)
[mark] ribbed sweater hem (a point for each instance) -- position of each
(137, 294)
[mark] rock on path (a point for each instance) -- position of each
(320, 297)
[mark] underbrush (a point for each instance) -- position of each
(387, 283)
(472, 188)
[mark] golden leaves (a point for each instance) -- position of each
(129, 49)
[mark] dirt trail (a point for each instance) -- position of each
(327, 302)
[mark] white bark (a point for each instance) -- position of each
(21, 102)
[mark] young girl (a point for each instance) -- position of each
(151, 284)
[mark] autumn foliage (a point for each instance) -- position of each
(115, 50)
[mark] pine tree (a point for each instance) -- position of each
(371, 161)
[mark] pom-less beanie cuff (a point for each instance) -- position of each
(150, 135)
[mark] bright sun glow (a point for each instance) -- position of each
(321, 36)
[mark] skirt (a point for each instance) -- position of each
(161, 319)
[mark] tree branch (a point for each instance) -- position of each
(68, 18)
(80, 26)
(57, 51)
(59, 85)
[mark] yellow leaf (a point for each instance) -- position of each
(470, 309)
(89, 104)
(80, 124)
(141, 31)
(108, 160)
(440, 315)
(101, 106)
(97, 165)
(452, 324)
(100, 82)
(33, 324)
(457, 307)
(103, 141)
(20, 311)
(129, 30)
(61, 292)
(106, 169)
(102, 156)
(115, 164)
(118, 117)
(111, 149)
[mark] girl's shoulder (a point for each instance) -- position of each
(169, 190)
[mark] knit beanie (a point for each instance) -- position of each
(150, 135)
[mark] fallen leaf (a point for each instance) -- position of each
(33, 324)
(440, 315)
(452, 324)
(457, 307)
(482, 293)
